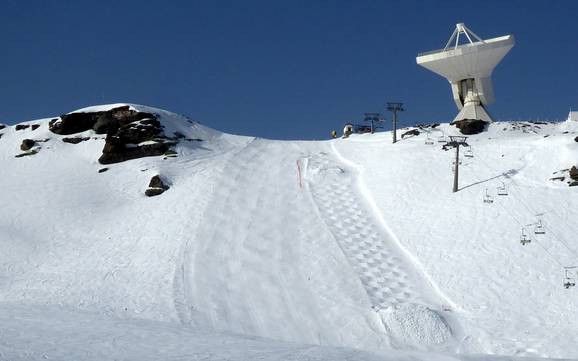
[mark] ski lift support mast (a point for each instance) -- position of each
(455, 142)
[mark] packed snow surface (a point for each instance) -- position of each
(262, 249)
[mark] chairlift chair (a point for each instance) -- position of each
(428, 140)
(524, 239)
(568, 281)
(469, 153)
(502, 190)
(488, 198)
(539, 228)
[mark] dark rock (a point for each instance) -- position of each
(413, 132)
(101, 122)
(22, 126)
(115, 151)
(75, 140)
(151, 192)
(561, 178)
(102, 170)
(32, 152)
(574, 173)
(470, 126)
(72, 123)
(576, 139)
(35, 126)
(573, 184)
(157, 182)
(125, 129)
(156, 186)
(1, 134)
(27, 144)
(2, 126)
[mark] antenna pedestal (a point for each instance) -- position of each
(473, 111)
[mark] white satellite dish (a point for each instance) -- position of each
(468, 68)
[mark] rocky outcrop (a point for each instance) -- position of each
(156, 187)
(2, 126)
(27, 144)
(470, 126)
(101, 122)
(35, 126)
(576, 139)
(102, 170)
(22, 126)
(130, 134)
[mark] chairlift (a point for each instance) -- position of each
(502, 190)
(469, 153)
(568, 281)
(524, 238)
(428, 140)
(488, 198)
(539, 228)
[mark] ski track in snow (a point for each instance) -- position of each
(388, 278)
(382, 272)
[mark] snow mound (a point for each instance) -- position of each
(416, 325)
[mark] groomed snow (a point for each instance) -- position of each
(354, 243)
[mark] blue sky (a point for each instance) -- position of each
(277, 69)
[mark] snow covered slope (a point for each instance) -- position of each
(347, 243)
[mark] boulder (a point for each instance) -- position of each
(35, 126)
(22, 126)
(574, 173)
(27, 144)
(2, 126)
(413, 132)
(156, 186)
(157, 182)
(575, 139)
(470, 126)
(102, 170)
(75, 140)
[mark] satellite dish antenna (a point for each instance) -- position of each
(468, 68)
